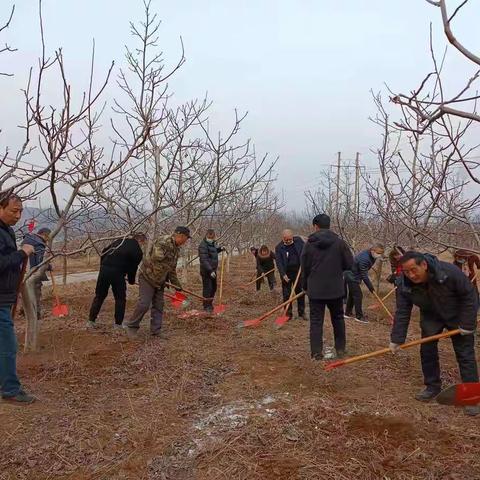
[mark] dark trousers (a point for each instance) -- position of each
(463, 345)
(9, 383)
(270, 279)
(287, 290)
(209, 289)
(354, 299)
(109, 277)
(317, 315)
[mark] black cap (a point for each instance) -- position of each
(322, 221)
(183, 231)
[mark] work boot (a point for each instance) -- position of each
(427, 394)
(472, 410)
(317, 356)
(118, 327)
(21, 398)
(341, 353)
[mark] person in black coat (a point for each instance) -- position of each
(208, 254)
(11, 261)
(362, 263)
(265, 264)
(121, 258)
(447, 300)
(287, 257)
(324, 259)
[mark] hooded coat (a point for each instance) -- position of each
(448, 296)
(324, 259)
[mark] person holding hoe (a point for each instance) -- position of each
(447, 300)
(208, 255)
(324, 259)
(266, 267)
(158, 267)
(11, 261)
(362, 263)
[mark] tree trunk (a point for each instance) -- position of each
(30, 311)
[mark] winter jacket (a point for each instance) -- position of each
(448, 296)
(362, 263)
(11, 261)
(123, 256)
(472, 260)
(265, 264)
(324, 259)
(36, 258)
(160, 264)
(281, 254)
(208, 255)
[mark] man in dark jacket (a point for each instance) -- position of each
(265, 265)
(324, 259)
(38, 241)
(287, 255)
(121, 258)
(208, 254)
(447, 300)
(11, 261)
(362, 263)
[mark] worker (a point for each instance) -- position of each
(38, 241)
(447, 300)
(324, 259)
(208, 251)
(287, 256)
(394, 256)
(158, 267)
(119, 259)
(265, 265)
(467, 261)
(11, 261)
(362, 263)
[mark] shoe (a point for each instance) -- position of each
(341, 353)
(361, 319)
(91, 325)
(21, 398)
(427, 394)
(317, 356)
(472, 410)
(161, 335)
(118, 327)
(301, 316)
(132, 333)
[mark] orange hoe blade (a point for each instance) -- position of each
(460, 395)
(58, 309)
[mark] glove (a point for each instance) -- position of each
(394, 347)
(466, 332)
(285, 278)
(213, 275)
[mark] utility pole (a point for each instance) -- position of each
(339, 167)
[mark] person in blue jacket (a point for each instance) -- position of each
(288, 256)
(38, 241)
(362, 263)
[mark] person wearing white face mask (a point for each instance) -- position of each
(208, 255)
(362, 263)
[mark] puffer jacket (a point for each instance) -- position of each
(448, 296)
(160, 264)
(11, 261)
(208, 255)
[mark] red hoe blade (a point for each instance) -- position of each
(58, 309)
(178, 300)
(462, 394)
(219, 309)
(283, 319)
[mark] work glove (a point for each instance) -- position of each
(213, 275)
(286, 278)
(466, 332)
(394, 347)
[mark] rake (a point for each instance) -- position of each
(257, 321)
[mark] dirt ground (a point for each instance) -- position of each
(213, 401)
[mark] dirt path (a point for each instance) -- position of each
(217, 402)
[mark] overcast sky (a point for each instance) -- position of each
(303, 69)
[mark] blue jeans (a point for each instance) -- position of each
(9, 383)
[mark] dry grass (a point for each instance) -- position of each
(216, 402)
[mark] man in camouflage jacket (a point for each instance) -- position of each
(159, 266)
